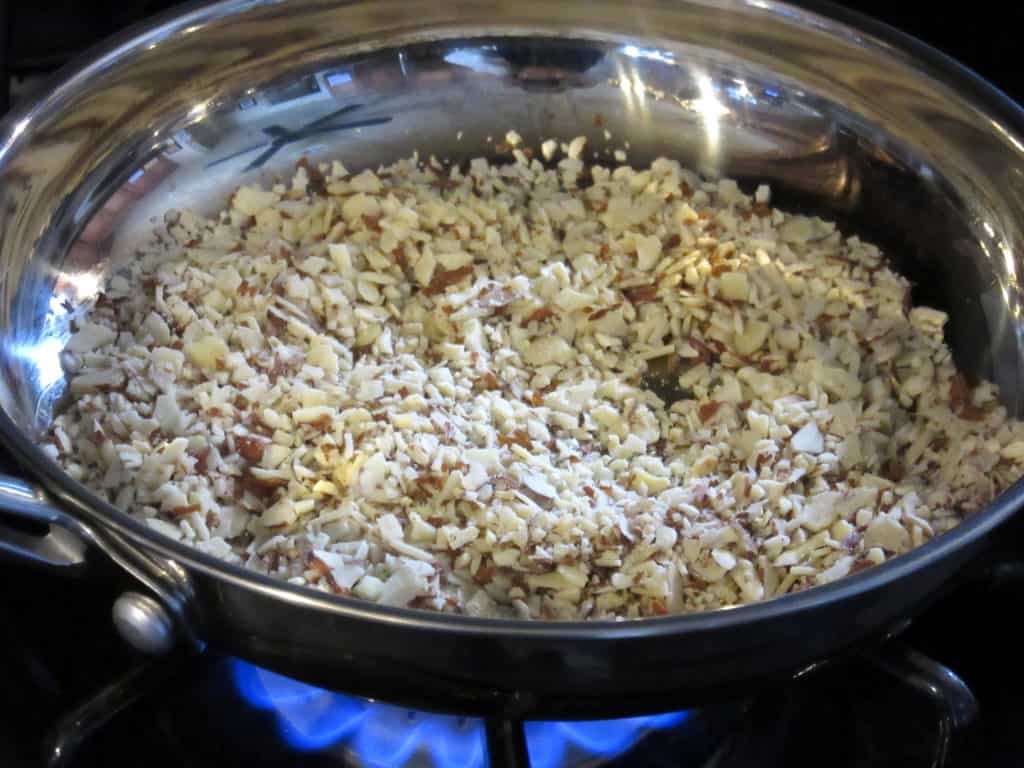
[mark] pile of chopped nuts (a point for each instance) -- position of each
(425, 387)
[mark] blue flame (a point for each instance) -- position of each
(547, 742)
(383, 736)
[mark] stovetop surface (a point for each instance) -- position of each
(60, 652)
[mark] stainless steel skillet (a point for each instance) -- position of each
(842, 116)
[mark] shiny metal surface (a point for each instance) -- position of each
(75, 728)
(68, 538)
(844, 118)
(956, 708)
(58, 547)
(143, 623)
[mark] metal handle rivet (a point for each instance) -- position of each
(143, 623)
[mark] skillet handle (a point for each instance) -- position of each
(59, 548)
(170, 605)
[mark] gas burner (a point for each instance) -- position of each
(552, 744)
(371, 733)
(894, 699)
(378, 735)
